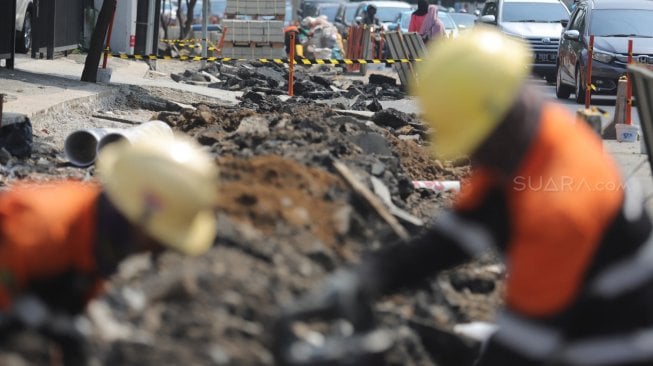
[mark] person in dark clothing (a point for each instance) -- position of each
(370, 17)
(576, 240)
(418, 16)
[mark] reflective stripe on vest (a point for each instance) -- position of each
(526, 337)
(626, 274)
(614, 350)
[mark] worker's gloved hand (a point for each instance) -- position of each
(30, 312)
(342, 296)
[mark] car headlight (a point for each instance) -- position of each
(604, 57)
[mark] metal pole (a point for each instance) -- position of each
(291, 65)
(588, 78)
(149, 42)
(2, 101)
(109, 31)
(629, 86)
(205, 30)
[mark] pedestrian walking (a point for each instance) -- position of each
(418, 16)
(432, 27)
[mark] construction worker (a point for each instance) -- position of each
(369, 16)
(576, 240)
(60, 240)
(294, 28)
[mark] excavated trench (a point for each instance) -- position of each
(286, 219)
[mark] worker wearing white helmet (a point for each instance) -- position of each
(576, 243)
(60, 240)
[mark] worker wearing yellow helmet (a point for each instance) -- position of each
(60, 240)
(576, 243)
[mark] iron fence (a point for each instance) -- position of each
(8, 32)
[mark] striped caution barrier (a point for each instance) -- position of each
(173, 41)
(298, 61)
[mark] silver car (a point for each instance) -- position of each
(24, 18)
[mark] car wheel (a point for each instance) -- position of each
(580, 87)
(24, 38)
(562, 91)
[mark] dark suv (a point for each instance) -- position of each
(613, 23)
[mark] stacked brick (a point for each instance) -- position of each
(254, 29)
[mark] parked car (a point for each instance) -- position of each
(450, 27)
(464, 21)
(613, 23)
(345, 17)
(330, 10)
(536, 21)
(308, 8)
(216, 8)
(386, 11)
(403, 21)
(24, 18)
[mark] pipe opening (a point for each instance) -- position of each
(81, 148)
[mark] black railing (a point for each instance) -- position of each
(7, 32)
(58, 26)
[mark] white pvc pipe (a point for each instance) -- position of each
(81, 146)
(151, 129)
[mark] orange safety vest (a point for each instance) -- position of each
(45, 229)
(561, 200)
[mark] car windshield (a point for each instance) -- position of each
(329, 10)
(405, 21)
(388, 14)
(622, 23)
(534, 12)
(446, 20)
(350, 12)
(215, 8)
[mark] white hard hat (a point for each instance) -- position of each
(167, 186)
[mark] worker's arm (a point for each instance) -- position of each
(452, 240)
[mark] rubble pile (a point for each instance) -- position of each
(272, 79)
(286, 219)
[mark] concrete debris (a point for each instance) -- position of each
(378, 79)
(286, 218)
(16, 134)
(272, 79)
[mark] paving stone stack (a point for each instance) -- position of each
(254, 29)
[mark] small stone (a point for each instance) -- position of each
(5, 156)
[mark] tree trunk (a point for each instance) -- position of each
(97, 41)
(185, 20)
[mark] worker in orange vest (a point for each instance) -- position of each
(295, 29)
(60, 240)
(576, 240)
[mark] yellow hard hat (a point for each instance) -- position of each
(167, 186)
(466, 86)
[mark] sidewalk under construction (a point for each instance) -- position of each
(288, 212)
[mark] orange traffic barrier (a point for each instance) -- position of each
(629, 86)
(291, 66)
(221, 43)
(588, 78)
